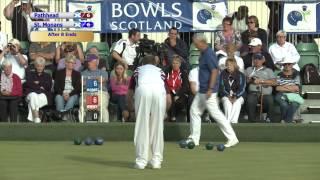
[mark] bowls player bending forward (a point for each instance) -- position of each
(150, 108)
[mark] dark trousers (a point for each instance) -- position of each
(177, 105)
(287, 109)
(253, 99)
(121, 102)
(11, 106)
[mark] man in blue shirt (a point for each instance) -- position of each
(206, 98)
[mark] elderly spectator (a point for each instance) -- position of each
(94, 73)
(67, 86)
(11, 91)
(177, 82)
(70, 49)
(253, 32)
(260, 80)
(3, 39)
(230, 53)
(119, 82)
(66, 47)
(240, 19)
(288, 84)
(227, 35)
(19, 61)
(255, 46)
(125, 50)
(232, 90)
(45, 50)
(102, 62)
(282, 49)
(176, 46)
(38, 90)
(20, 18)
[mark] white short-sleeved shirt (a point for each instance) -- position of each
(3, 40)
(194, 77)
(149, 74)
(239, 60)
(16, 67)
(129, 53)
(278, 53)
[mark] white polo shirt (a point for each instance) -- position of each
(278, 53)
(149, 74)
(129, 53)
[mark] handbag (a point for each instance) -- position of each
(294, 97)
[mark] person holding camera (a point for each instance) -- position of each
(232, 90)
(176, 46)
(125, 50)
(12, 53)
(260, 81)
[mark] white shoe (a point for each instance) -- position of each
(137, 166)
(191, 140)
(155, 164)
(37, 120)
(231, 143)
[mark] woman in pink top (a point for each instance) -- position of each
(119, 83)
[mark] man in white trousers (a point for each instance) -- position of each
(150, 109)
(206, 97)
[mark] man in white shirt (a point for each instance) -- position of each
(12, 52)
(282, 49)
(125, 50)
(3, 39)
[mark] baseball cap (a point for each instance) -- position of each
(25, 1)
(287, 60)
(255, 42)
(91, 57)
(258, 56)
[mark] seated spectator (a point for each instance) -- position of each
(176, 46)
(255, 46)
(260, 80)
(38, 89)
(69, 50)
(11, 91)
(227, 35)
(282, 49)
(67, 86)
(119, 82)
(61, 51)
(125, 50)
(253, 32)
(43, 49)
(102, 62)
(19, 61)
(94, 73)
(177, 82)
(232, 90)
(288, 84)
(240, 19)
(230, 53)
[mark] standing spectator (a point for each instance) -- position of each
(240, 19)
(19, 61)
(255, 46)
(227, 35)
(232, 90)
(176, 46)
(67, 86)
(20, 18)
(253, 32)
(70, 49)
(282, 49)
(260, 80)
(119, 83)
(206, 98)
(11, 91)
(45, 50)
(38, 90)
(230, 53)
(125, 50)
(65, 47)
(288, 85)
(177, 82)
(3, 39)
(94, 73)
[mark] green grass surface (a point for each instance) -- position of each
(114, 160)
